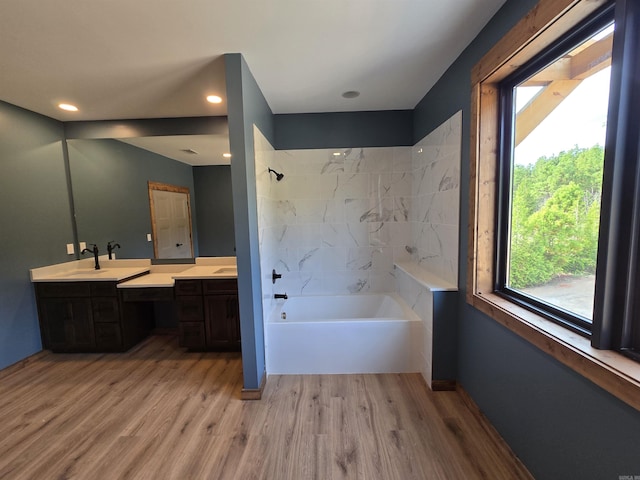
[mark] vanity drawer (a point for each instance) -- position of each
(103, 289)
(105, 309)
(63, 289)
(191, 335)
(190, 309)
(150, 294)
(214, 287)
(108, 337)
(188, 287)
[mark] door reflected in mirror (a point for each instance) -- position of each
(170, 207)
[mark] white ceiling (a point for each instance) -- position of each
(208, 148)
(119, 59)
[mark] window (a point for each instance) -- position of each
(553, 128)
(541, 213)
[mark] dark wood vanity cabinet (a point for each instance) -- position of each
(107, 325)
(208, 314)
(66, 318)
(84, 317)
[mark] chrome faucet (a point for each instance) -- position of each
(95, 254)
(111, 248)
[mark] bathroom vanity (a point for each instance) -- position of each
(88, 317)
(208, 314)
(81, 309)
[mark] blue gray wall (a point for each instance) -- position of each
(560, 424)
(35, 221)
(214, 204)
(110, 192)
(343, 130)
(246, 107)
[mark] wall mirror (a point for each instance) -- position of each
(110, 180)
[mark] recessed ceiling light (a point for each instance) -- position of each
(68, 107)
(214, 99)
(336, 154)
(226, 155)
(351, 94)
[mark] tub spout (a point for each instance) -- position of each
(280, 295)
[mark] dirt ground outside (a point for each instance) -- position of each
(571, 293)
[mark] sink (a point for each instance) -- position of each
(84, 273)
(227, 270)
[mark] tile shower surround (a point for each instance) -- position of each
(340, 218)
(436, 200)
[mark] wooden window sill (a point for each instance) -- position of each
(615, 373)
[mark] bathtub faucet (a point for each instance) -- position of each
(280, 295)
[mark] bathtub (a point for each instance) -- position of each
(365, 333)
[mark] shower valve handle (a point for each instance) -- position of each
(275, 276)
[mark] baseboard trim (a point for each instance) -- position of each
(254, 393)
(20, 364)
(487, 425)
(443, 385)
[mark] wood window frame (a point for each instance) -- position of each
(542, 26)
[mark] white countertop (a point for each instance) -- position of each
(208, 271)
(84, 271)
(210, 267)
(158, 276)
(119, 270)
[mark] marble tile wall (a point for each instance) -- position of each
(338, 219)
(265, 197)
(420, 299)
(436, 200)
(434, 240)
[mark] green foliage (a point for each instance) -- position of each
(555, 216)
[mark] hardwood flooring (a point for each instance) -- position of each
(157, 412)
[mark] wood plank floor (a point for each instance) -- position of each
(157, 412)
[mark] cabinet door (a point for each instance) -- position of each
(68, 324)
(220, 324)
(235, 321)
(188, 287)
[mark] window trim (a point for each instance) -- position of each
(543, 25)
(554, 52)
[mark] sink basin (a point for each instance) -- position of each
(227, 270)
(84, 273)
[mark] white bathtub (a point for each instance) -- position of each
(367, 333)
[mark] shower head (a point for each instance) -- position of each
(279, 176)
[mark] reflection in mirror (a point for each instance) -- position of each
(109, 180)
(170, 208)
